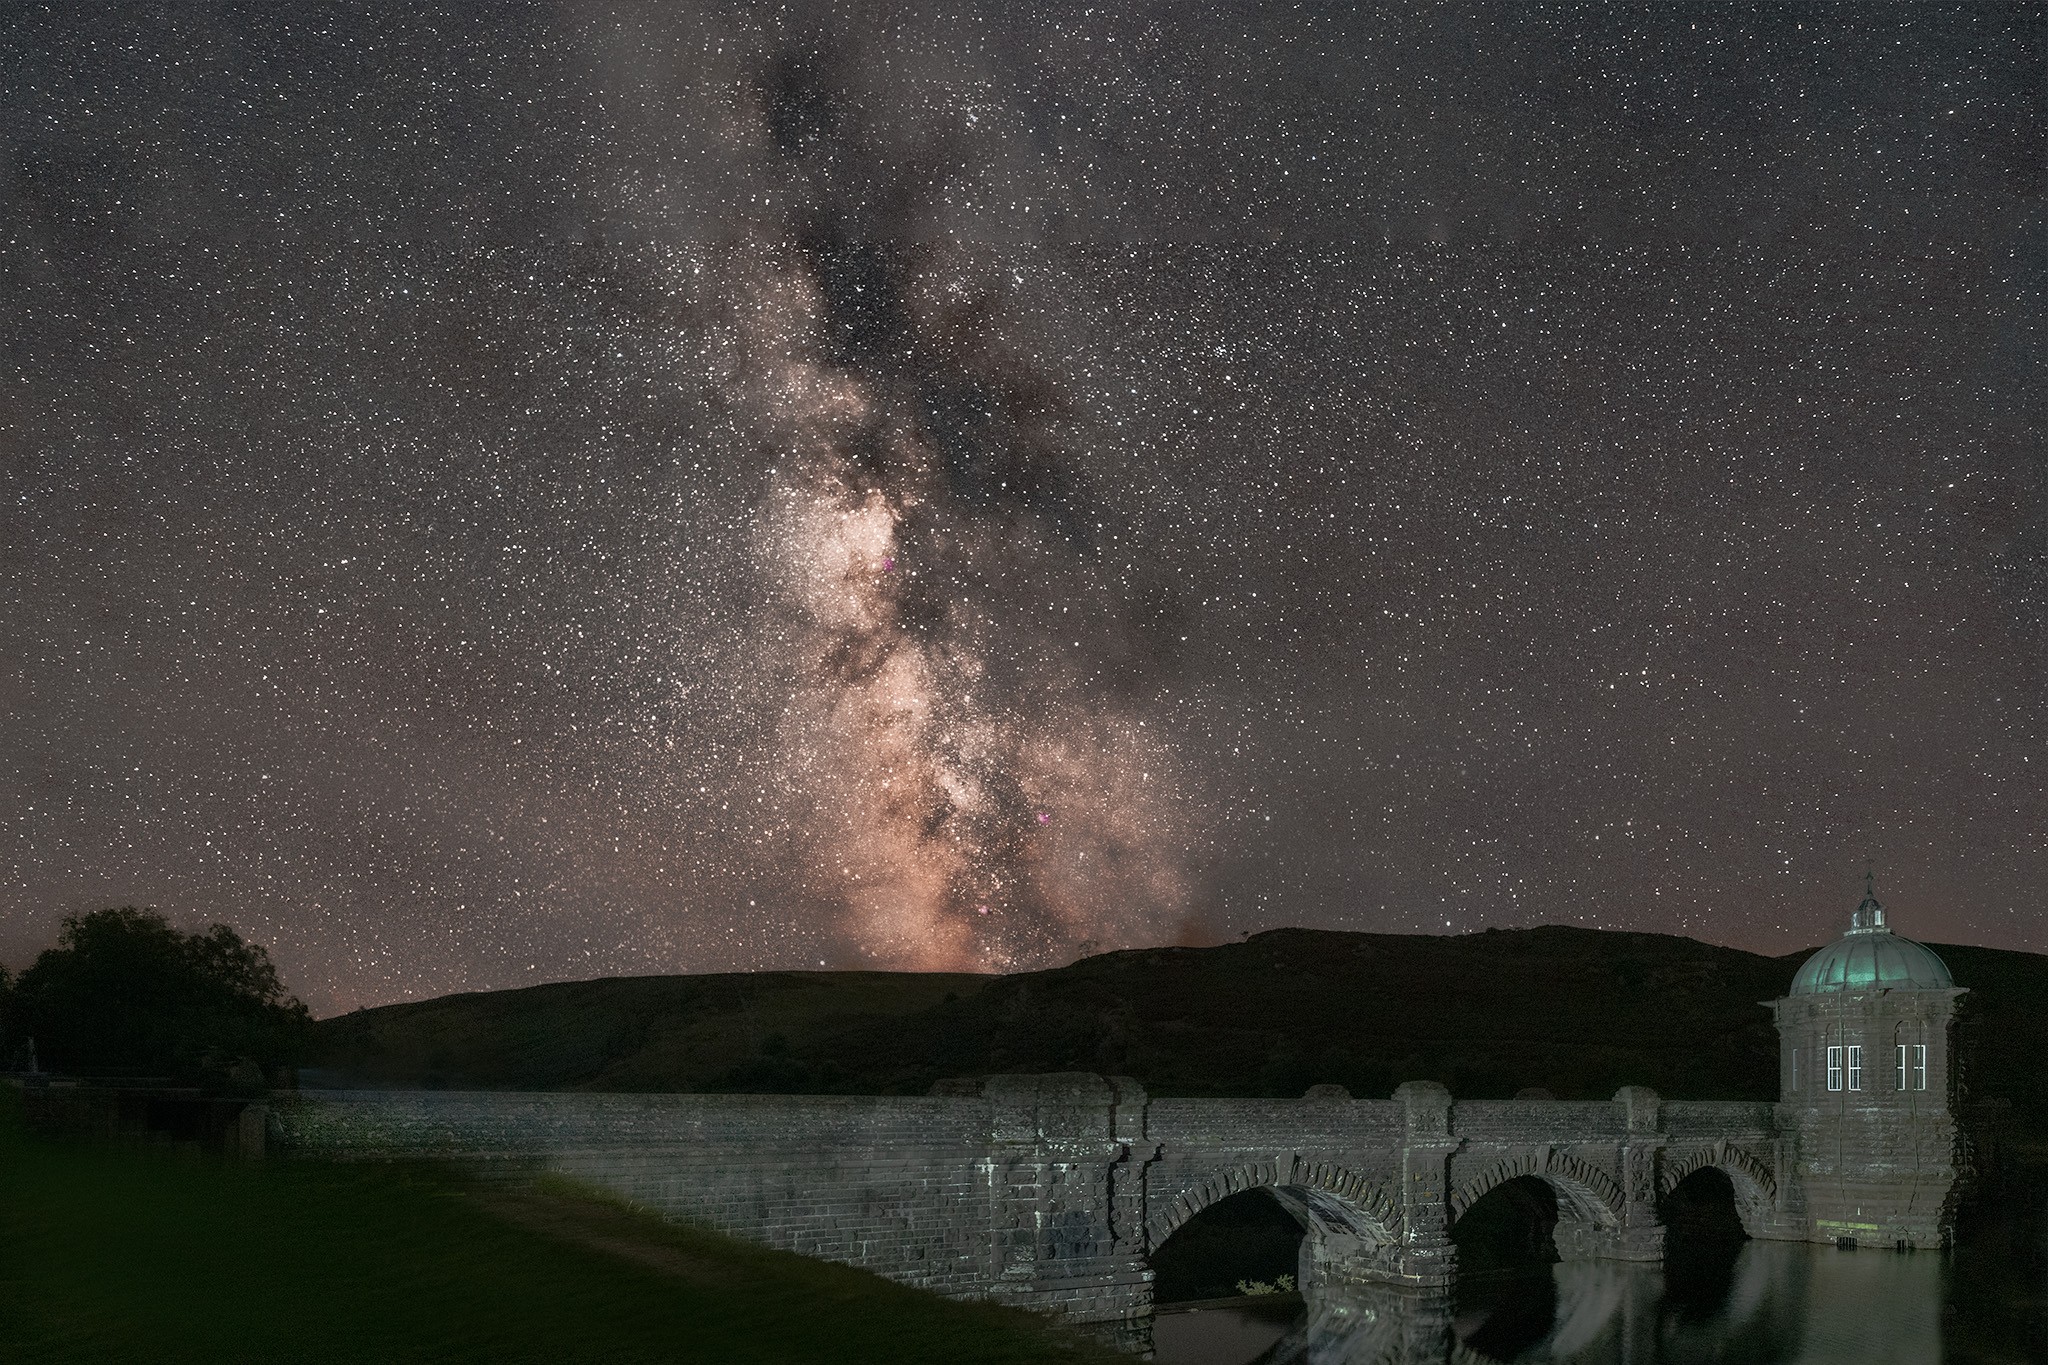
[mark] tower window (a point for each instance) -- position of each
(1834, 1068)
(1855, 1067)
(1919, 1066)
(1795, 1070)
(1899, 1082)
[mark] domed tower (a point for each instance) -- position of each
(1867, 1087)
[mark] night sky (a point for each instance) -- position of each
(509, 492)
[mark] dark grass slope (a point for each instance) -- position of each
(771, 1031)
(114, 1255)
(1578, 1012)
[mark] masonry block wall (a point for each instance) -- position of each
(1019, 1191)
(1331, 1161)
(1053, 1191)
(1211, 1149)
(907, 1187)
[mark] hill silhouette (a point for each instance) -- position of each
(1576, 1012)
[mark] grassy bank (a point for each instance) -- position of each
(112, 1255)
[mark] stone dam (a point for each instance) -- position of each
(1053, 1192)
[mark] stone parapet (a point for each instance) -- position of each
(1054, 1191)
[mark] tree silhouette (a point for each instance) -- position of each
(11, 1040)
(124, 991)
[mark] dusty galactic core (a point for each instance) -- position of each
(962, 667)
(492, 493)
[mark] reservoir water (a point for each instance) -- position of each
(1748, 1303)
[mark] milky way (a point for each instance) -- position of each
(500, 493)
(961, 748)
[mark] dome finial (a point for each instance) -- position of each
(1869, 916)
(1870, 957)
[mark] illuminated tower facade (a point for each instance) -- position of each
(1868, 1088)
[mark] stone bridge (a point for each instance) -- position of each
(1052, 1192)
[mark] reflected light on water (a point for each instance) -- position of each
(1767, 1304)
(1873, 1306)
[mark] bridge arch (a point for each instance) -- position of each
(1323, 1196)
(1756, 1189)
(1585, 1193)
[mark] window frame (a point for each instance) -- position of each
(1834, 1066)
(1855, 1066)
(1919, 1066)
(1900, 1076)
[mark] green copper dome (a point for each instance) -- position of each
(1870, 957)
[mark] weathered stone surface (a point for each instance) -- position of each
(1052, 1191)
(1871, 1156)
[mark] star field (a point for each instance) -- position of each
(504, 493)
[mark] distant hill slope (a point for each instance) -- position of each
(1578, 1012)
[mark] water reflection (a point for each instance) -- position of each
(1224, 1336)
(1760, 1304)
(1765, 1303)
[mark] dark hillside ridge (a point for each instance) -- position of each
(1577, 1012)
